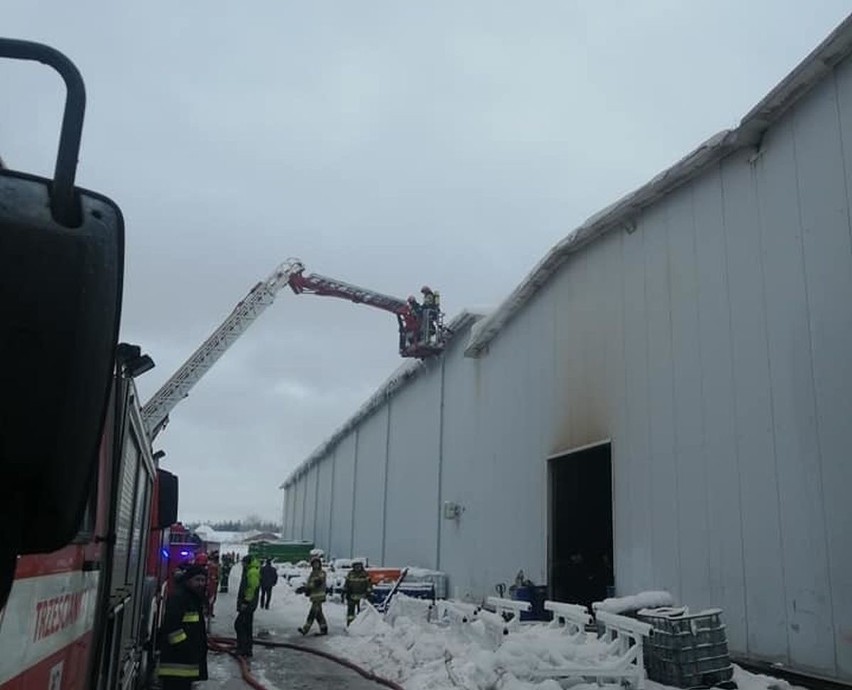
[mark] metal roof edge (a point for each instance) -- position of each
(807, 74)
(403, 375)
(624, 212)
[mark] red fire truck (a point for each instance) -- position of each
(85, 616)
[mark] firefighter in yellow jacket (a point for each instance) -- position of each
(247, 600)
(183, 642)
(356, 588)
(314, 589)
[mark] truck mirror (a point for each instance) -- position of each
(61, 270)
(167, 499)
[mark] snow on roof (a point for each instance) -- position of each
(624, 212)
(405, 373)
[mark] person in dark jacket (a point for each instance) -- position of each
(247, 600)
(356, 588)
(315, 591)
(183, 639)
(225, 573)
(268, 579)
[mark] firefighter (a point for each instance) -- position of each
(201, 559)
(227, 564)
(212, 580)
(315, 591)
(247, 600)
(356, 588)
(268, 579)
(183, 641)
(415, 307)
(430, 297)
(431, 309)
(409, 323)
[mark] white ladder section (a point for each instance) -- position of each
(156, 411)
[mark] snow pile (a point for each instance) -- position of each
(635, 602)
(443, 647)
(424, 655)
(751, 681)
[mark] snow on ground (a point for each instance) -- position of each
(421, 655)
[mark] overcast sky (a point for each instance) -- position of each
(390, 144)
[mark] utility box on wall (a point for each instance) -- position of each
(452, 511)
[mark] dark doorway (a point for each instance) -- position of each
(581, 525)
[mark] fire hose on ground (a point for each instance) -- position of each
(227, 645)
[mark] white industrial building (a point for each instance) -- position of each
(671, 387)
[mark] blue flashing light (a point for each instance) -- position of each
(165, 553)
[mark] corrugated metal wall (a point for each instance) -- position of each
(712, 346)
(368, 515)
(411, 500)
(342, 496)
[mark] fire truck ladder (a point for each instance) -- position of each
(422, 331)
(156, 411)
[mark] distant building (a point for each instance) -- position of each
(211, 535)
(666, 397)
(262, 536)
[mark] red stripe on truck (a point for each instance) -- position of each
(65, 560)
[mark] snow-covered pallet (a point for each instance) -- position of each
(573, 618)
(408, 607)
(510, 609)
(456, 612)
(624, 635)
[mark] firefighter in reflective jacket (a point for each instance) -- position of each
(430, 311)
(247, 600)
(315, 590)
(356, 588)
(183, 641)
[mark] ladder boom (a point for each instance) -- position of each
(421, 327)
(156, 411)
(315, 284)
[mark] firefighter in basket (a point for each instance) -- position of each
(356, 588)
(430, 311)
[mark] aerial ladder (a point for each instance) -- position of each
(422, 333)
